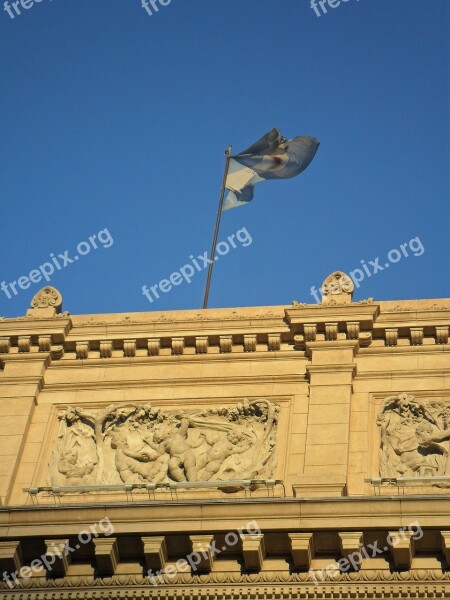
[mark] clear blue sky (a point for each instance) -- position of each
(116, 119)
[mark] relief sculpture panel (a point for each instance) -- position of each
(414, 437)
(137, 443)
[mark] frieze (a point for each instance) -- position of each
(415, 437)
(420, 583)
(137, 443)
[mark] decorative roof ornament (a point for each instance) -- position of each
(337, 288)
(46, 303)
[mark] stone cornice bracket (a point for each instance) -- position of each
(106, 348)
(46, 303)
(129, 348)
(201, 546)
(253, 550)
(391, 336)
(402, 548)
(57, 352)
(273, 342)
(226, 343)
(350, 543)
(56, 557)
(442, 335)
(5, 345)
(106, 555)
(82, 349)
(178, 345)
(310, 332)
(201, 344)
(299, 342)
(331, 331)
(154, 346)
(155, 552)
(353, 330)
(45, 343)
(10, 556)
(24, 343)
(250, 343)
(445, 539)
(416, 334)
(302, 550)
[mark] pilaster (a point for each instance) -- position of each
(331, 335)
(27, 346)
(20, 384)
(331, 374)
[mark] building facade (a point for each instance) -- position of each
(275, 452)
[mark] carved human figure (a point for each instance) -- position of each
(70, 466)
(75, 456)
(135, 443)
(406, 442)
(136, 465)
(221, 448)
(411, 437)
(173, 441)
(430, 438)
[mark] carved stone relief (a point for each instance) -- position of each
(337, 288)
(75, 458)
(135, 443)
(46, 303)
(415, 437)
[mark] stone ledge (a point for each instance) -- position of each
(314, 486)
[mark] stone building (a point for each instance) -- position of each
(274, 452)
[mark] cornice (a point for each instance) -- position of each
(364, 313)
(228, 330)
(202, 381)
(221, 515)
(405, 349)
(352, 345)
(266, 585)
(43, 357)
(388, 374)
(273, 581)
(331, 368)
(58, 326)
(142, 332)
(163, 359)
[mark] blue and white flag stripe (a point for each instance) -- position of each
(272, 157)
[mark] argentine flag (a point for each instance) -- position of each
(272, 157)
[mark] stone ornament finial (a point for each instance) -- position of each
(337, 288)
(46, 303)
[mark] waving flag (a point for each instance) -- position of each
(272, 157)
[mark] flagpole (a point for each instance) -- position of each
(216, 229)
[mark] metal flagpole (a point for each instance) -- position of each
(216, 230)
